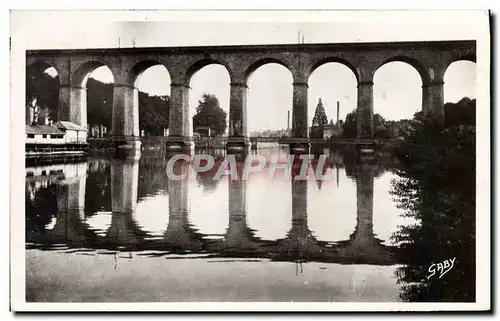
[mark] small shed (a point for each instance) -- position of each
(74, 133)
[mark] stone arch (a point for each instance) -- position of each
(470, 57)
(139, 68)
(83, 70)
(342, 61)
(394, 100)
(199, 64)
(261, 62)
(42, 65)
(460, 80)
(418, 65)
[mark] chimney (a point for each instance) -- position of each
(338, 111)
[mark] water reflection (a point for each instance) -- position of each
(283, 219)
(129, 208)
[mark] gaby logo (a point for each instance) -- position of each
(442, 267)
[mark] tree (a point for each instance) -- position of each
(435, 185)
(380, 126)
(320, 118)
(350, 125)
(42, 94)
(461, 113)
(153, 113)
(209, 113)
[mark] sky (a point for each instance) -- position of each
(397, 86)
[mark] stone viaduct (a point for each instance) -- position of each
(430, 59)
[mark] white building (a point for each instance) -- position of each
(73, 133)
(44, 134)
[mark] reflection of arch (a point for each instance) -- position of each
(424, 75)
(139, 68)
(203, 63)
(261, 62)
(80, 74)
(339, 60)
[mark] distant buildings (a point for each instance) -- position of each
(73, 132)
(326, 131)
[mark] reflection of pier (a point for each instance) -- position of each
(362, 246)
(180, 236)
(70, 190)
(239, 239)
(123, 230)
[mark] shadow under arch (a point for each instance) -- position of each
(314, 66)
(41, 66)
(42, 88)
(81, 73)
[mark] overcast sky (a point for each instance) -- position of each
(397, 86)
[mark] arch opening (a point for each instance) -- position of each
(208, 109)
(460, 93)
(332, 86)
(417, 65)
(94, 93)
(460, 81)
(334, 60)
(270, 101)
(260, 63)
(152, 81)
(397, 95)
(42, 94)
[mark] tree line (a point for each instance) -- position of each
(459, 113)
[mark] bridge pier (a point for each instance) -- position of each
(300, 133)
(125, 126)
(365, 110)
(433, 101)
(73, 104)
(178, 138)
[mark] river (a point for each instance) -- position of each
(122, 230)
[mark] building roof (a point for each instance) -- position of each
(69, 125)
(42, 129)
